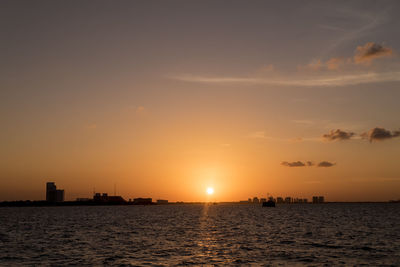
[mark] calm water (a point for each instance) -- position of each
(312, 235)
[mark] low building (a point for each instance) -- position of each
(162, 201)
(83, 199)
(288, 200)
(142, 201)
(255, 200)
(116, 200)
(318, 199)
(104, 198)
(279, 200)
(100, 197)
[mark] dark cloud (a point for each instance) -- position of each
(326, 164)
(307, 163)
(338, 135)
(371, 51)
(380, 134)
(293, 164)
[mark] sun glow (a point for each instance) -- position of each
(210, 190)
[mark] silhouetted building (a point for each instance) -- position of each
(162, 201)
(106, 199)
(53, 194)
(255, 200)
(142, 201)
(100, 197)
(116, 200)
(279, 200)
(83, 199)
(288, 200)
(318, 199)
(249, 200)
(263, 200)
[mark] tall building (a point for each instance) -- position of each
(50, 191)
(53, 194)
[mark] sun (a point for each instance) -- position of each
(210, 190)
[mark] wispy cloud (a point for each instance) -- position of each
(371, 51)
(327, 81)
(364, 55)
(316, 73)
(307, 164)
(258, 135)
(293, 164)
(338, 134)
(140, 109)
(307, 122)
(366, 22)
(91, 126)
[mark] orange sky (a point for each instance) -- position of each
(166, 100)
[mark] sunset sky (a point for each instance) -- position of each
(167, 98)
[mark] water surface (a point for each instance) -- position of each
(311, 235)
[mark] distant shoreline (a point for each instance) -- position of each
(29, 203)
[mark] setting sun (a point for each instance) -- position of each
(210, 190)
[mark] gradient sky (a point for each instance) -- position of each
(166, 98)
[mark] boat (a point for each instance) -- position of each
(269, 203)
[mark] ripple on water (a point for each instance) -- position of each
(310, 235)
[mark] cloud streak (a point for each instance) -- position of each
(293, 164)
(364, 55)
(327, 81)
(374, 134)
(338, 134)
(331, 77)
(371, 51)
(325, 164)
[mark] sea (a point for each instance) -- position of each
(334, 234)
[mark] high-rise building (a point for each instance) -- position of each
(50, 191)
(52, 194)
